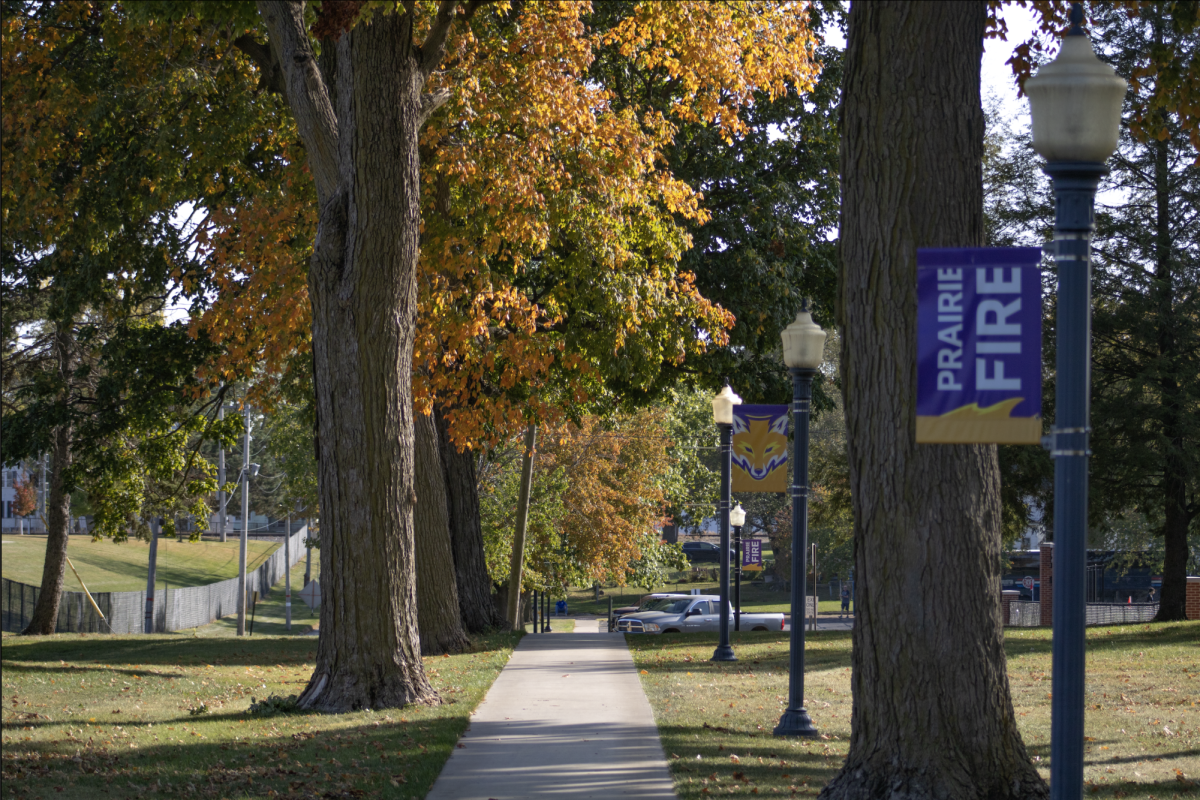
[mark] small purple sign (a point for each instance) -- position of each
(752, 553)
(979, 345)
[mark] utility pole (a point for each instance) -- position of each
(518, 551)
(287, 574)
(241, 623)
(221, 501)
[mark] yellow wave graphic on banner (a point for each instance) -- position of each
(971, 424)
(1002, 410)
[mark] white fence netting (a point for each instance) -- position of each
(1029, 615)
(1120, 613)
(125, 612)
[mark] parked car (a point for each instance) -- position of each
(645, 603)
(706, 552)
(693, 613)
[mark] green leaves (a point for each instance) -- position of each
(100, 118)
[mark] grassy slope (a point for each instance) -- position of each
(109, 567)
(268, 614)
(1143, 717)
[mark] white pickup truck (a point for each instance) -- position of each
(691, 614)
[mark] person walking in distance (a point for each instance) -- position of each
(845, 600)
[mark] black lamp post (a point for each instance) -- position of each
(737, 518)
(1075, 102)
(545, 601)
(723, 405)
(803, 348)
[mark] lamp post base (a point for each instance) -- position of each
(795, 722)
(724, 653)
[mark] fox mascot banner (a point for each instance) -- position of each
(760, 447)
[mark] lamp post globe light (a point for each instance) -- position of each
(803, 352)
(1075, 102)
(737, 518)
(723, 405)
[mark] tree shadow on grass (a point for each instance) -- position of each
(396, 752)
(699, 754)
(818, 655)
(1140, 789)
(288, 755)
(1102, 639)
(157, 649)
(1094, 758)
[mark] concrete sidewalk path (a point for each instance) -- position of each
(567, 717)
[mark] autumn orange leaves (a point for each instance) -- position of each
(555, 253)
(552, 228)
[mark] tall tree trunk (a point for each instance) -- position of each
(933, 715)
(58, 504)
(1172, 602)
(437, 592)
(466, 535)
(362, 151)
(58, 516)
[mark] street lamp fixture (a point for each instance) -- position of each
(737, 518)
(723, 405)
(1075, 102)
(803, 352)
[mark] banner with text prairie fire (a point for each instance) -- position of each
(760, 445)
(979, 345)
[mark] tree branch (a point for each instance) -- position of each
(432, 102)
(434, 47)
(306, 92)
(270, 74)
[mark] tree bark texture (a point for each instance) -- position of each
(466, 536)
(362, 149)
(58, 506)
(437, 592)
(933, 715)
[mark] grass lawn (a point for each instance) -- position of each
(109, 567)
(1143, 709)
(104, 716)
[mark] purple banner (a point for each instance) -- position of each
(979, 345)
(752, 553)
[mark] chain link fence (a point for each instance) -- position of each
(1029, 615)
(125, 612)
